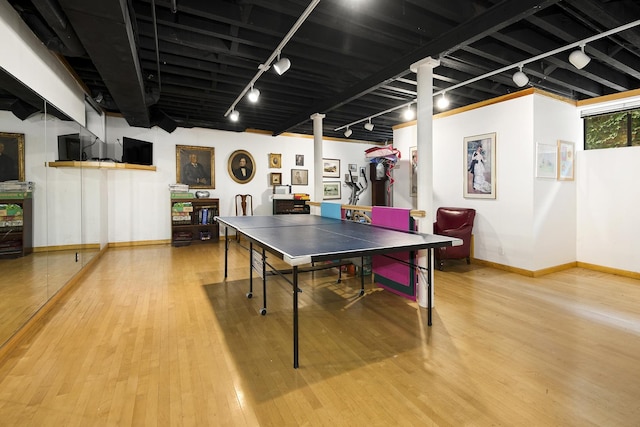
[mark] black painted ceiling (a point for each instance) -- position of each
(184, 62)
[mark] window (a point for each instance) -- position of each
(618, 129)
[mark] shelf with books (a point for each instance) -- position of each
(16, 225)
(192, 221)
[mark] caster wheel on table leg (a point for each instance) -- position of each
(249, 295)
(263, 311)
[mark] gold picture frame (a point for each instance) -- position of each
(11, 156)
(275, 178)
(241, 166)
(275, 160)
(195, 166)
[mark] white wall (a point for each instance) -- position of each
(536, 223)
(608, 205)
(555, 209)
(139, 200)
(27, 59)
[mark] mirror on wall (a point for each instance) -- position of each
(66, 224)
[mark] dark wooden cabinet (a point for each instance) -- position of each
(290, 206)
(192, 221)
(16, 227)
(378, 186)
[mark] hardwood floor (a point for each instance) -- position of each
(155, 336)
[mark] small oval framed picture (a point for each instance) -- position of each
(275, 160)
(241, 166)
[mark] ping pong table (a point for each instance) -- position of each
(303, 239)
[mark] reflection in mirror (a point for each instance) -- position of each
(23, 282)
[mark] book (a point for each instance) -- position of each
(182, 195)
(15, 194)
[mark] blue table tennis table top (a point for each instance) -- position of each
(301, 239)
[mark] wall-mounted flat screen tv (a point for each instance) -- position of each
(69, 147)
(137, 152)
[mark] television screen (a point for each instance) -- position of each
(69, 147)
(137, 152)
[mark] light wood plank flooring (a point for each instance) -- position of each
(154, 336)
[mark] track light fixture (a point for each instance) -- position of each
(348, 132)
(579, 59)
(234, 116)
(409, 114)
(443, 102)
(253, 94)
(520, 78)
(368, 126)
(282, 65)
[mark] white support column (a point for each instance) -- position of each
(317, 157)
(424, 70)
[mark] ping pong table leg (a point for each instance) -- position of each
(250, 293)
(361, 276)
(263, 311)
(429, 272)
(226, 249)
(295, 316)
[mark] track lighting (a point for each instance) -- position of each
(234, 116)
(368, 126)
(348, 132)
(520, 78)
(443, 102)
(579, 59)
(253, 94)
(282, 65)
(409, 114)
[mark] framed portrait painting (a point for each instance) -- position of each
(480, 166)
(299, 159)
(331, 190)
(299, 177)
(241, 166)
(566, 154)
(195, 166)
(11, 156)
(275, 160)
(331, 168)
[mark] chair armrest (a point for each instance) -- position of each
(460, 233)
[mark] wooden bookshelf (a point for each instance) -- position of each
(192, 221)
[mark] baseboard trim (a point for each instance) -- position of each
(35, 323)
(556, 268)
(139, 243)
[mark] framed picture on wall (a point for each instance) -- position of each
(299, 177)
(276, 178)
(331, 168)
(241, 166)
(275, 160)
(566, 156)
(11, 156)
(195, 166)
(299, 159)
(413, 173)
(546, 160)
(331, 190)
(480, 166)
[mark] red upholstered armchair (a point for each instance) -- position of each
(454, 222)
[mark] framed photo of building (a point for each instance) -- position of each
(195, 166)
(480, 166)
(299, 177)
(11, 156)
(331, 190)
(241, 166)
(566, 154)
(331, 168)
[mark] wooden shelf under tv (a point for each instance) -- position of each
(94, 164)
